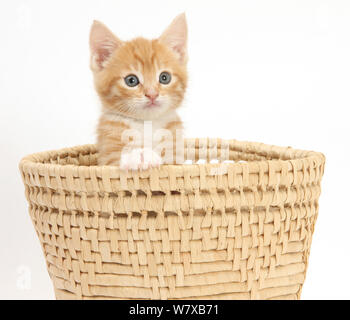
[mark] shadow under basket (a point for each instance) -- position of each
(229, 230)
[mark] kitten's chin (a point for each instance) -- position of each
(141, 113)
(151, 111)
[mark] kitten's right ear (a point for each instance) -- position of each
(175, 37)
(102, 44)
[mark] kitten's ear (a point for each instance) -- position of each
(102, 44)
(175, 36)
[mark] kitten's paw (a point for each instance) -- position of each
(140, 159)
(150, 159)
(131, 160)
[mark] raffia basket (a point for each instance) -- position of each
(237, 230)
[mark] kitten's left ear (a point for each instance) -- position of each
(175, 37)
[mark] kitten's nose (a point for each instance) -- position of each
(152, 95)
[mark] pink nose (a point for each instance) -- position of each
(152, 95)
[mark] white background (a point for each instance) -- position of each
(270, 71)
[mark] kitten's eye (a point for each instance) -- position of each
(165, 77)
(131, 80)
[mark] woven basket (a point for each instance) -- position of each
(238, 230)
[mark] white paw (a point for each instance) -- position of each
(150, 159)
(140, 159)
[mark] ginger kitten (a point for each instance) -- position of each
(141, 83)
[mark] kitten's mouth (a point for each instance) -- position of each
(152, 104)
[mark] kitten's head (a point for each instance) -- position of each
(141, 78)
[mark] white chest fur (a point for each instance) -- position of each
(149, 138)
(146, 129)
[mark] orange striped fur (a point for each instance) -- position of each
(149, 103)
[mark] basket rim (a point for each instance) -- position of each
(292, 159)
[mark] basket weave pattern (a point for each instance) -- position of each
(237, 230)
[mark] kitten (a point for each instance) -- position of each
(141, 83)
